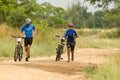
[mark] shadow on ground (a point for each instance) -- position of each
(62, 67)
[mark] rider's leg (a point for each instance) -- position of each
(72, 52)
(68, 51)
(72, 56)
(28, 43)
(28, 52)
(68, 54)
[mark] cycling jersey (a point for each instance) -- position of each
(69, 35)
(28, 29)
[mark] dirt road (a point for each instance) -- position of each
(45, 68)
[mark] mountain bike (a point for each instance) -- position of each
(60, 48)
(18, 54)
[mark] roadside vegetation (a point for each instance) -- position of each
(96, 30)
(45, 42)
(108, 71)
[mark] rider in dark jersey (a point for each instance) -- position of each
(70, 35)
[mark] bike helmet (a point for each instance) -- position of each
(28, 20)
(70, 25)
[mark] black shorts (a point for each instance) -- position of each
(28, 41)
(71, 45)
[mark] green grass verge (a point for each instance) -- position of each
(108, 71)
(45, 43)
(89, 42)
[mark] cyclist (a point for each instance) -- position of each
(70, 35)
(29, 30)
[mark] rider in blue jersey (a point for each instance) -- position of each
(70, 35)
(29, 30)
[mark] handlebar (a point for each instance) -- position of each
(17, 36)
(62, 38)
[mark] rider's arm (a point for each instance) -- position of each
(75, 35)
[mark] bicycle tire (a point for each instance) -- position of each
(59, 52)
(20, 53)
(58, 56)
(15, 54)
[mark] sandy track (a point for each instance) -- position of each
(45, 68)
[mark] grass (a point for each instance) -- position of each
(101, 39)
(88, 42)
(98, 38)
(108, 71)
(44, 43)
(41, 48)
(44, 48)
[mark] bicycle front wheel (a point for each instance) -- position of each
(15, 54)
(20, 53)
(58, 55)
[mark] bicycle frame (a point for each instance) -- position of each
(18, 48)
(60, 48)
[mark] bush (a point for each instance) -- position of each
(89, 32)
(114, 33)
(16, 19)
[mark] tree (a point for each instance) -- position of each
(16, 19)
(90, 21)
(22, 9)
(53, 15)
(100, 3)
(6, 7)
(79, 16)
(99, 20)
(112, 16)
(14, 12)
(75, 14)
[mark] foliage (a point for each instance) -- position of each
(99, 20)
(16, 19)
(101, 3)
(98, 38)
(14, 12)
(6, 7)
(110, 18)
(44, 43)
(79, 16)
(53, 15)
